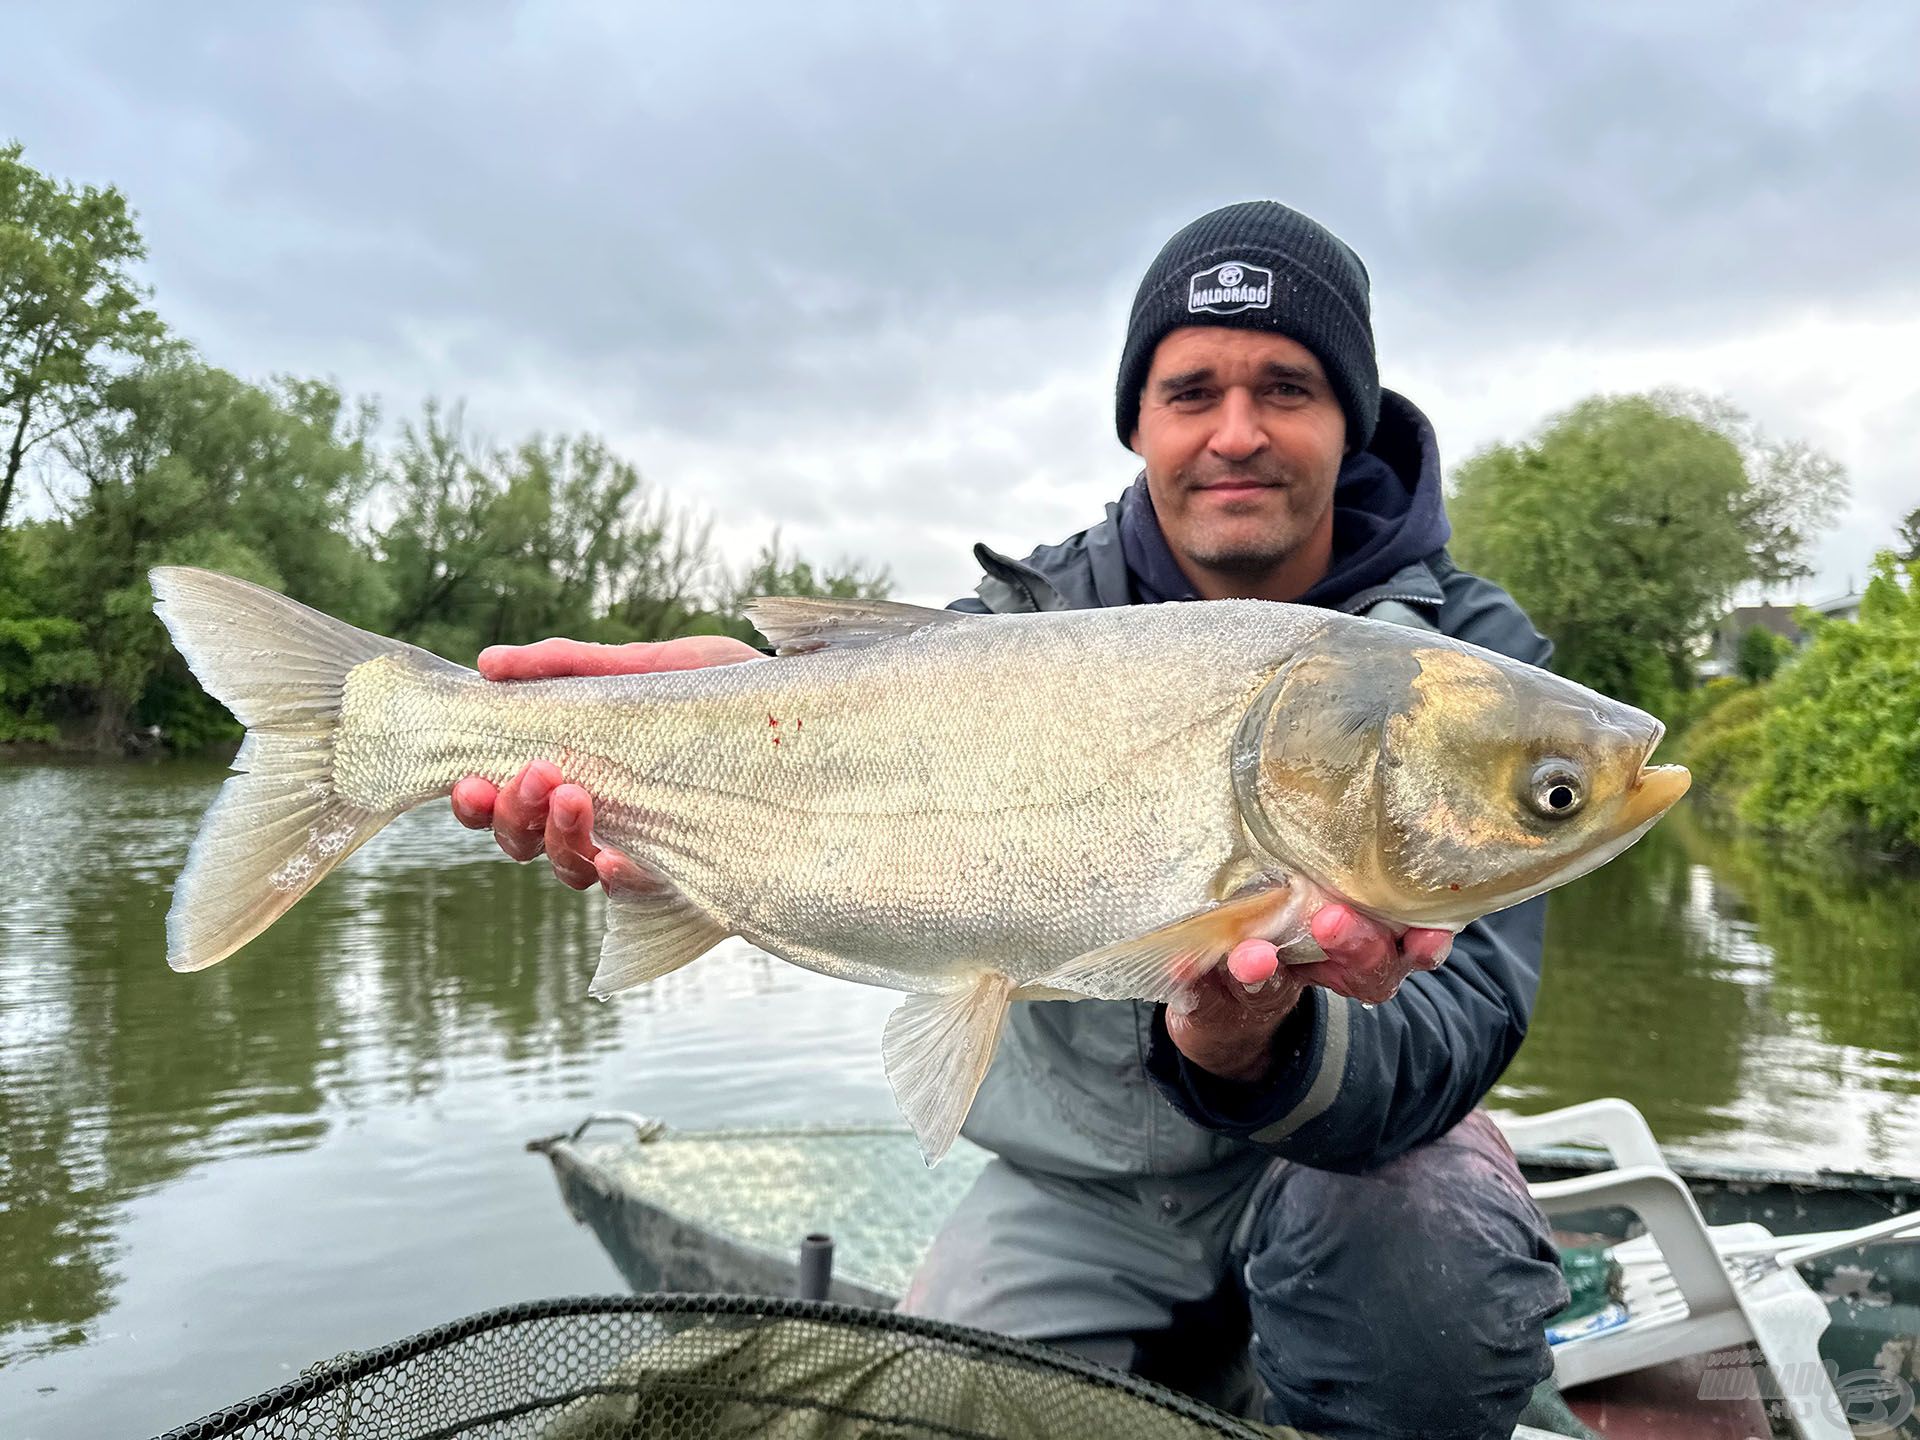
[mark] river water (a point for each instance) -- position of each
(208, 1182)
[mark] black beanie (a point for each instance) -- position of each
(1259, 266)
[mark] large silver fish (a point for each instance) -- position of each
(971, 809)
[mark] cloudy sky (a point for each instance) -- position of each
(861, 271)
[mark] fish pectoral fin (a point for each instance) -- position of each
(1162, 962)
(651, 932)
(801, 624)
(937, 1049)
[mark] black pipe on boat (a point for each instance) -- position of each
(816, 1266)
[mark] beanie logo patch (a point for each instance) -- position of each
(1230, 287)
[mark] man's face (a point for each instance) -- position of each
(1242, 439)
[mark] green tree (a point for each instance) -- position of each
(776, 571)
(1792, 491)
(44, 659)
(1614, 529)
(1625, 526)
(434, 551)
(1726, 744)
(1909, 536)
(68, 306)
(1759, 654)
(557, 537)
(185, 464)
(1840, 750)
(665, 583)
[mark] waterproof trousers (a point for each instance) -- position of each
(1407, 1301)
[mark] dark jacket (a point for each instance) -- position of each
(1356, 1085)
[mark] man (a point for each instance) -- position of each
(1293, 1150)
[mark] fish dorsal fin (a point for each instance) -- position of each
(937, 1049)
(800, 624)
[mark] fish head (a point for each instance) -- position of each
(1430, 782)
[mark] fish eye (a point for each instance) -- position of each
(1557, 789)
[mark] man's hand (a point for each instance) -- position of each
(1228, 1028)
(537, 811)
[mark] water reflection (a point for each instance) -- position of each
(117, 1075)
(1756, 1004)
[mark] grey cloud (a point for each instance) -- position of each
(761, 221)
(684, 195)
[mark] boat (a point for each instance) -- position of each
(732, 1211)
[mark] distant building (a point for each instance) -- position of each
(1841, 607)
(1722, 657)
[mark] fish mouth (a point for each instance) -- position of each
(1656, 788)
(1653, 794)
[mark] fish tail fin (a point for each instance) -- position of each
(277, 827)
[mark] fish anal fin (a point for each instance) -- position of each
(800, 624)
(651, 931)
(937, 1049)
(1161, 963)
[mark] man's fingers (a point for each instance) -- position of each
(1352, 938)
(1223, 998)
(1364, 960)
(560, 659)
(569, 837)
(520, 812)
(1375, 987)
(1253, 963)
(622, 876)
(1427, 949)
(553, 659)
(473, 800)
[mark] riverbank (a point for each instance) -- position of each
(1826, 752)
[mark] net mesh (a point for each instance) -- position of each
(673, 1366)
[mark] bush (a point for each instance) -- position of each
(1760, 654)
(1724, 746)
(42, 656)
(1840, 742)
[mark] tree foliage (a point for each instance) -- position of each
(1614, 530)
(1725, 744)
(43, 655)
(164, 459)
(440, 539)
(68, 306)
(1840, 749)
(1626, 525)
(182, 463)
(1907, 545)
(1792, 491)
(1759, 654)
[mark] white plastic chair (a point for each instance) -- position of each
(1682, 1295)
